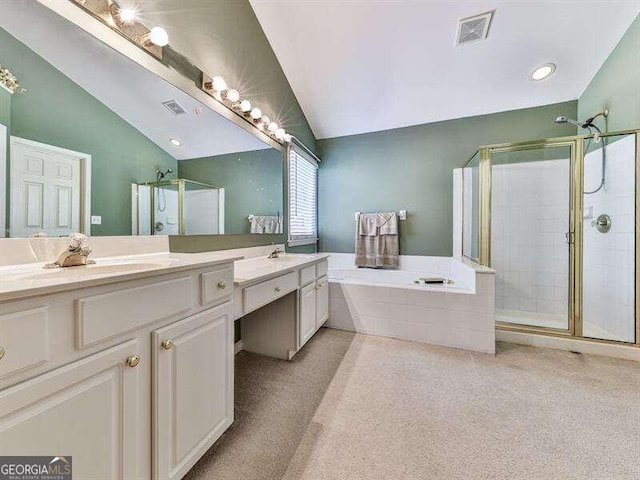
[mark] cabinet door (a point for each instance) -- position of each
(323, 301)
(307, 313)
(193, 389)
(89, 410)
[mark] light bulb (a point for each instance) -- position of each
(245, 106)
(127, 15)
(286, 137)
(233, 95)
(256, 113)
(159, 36)
(219, 84)
(266, 120)
(175, 141)
(273, 126)
(280, 133)
(260, 126)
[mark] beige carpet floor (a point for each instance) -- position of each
(362, 407)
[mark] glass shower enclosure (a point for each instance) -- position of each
(177, 207)
(557, 220)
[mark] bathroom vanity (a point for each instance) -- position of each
(282, 301)
(126, 365)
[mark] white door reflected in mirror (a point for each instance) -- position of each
(46, 185)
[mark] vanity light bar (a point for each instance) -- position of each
(218, 89)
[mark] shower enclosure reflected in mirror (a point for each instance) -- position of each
(178, 207)
(93, 124)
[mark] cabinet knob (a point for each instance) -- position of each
(167, 344)
(2, 352)
(133, 360)
(277, 289)
(222, 285)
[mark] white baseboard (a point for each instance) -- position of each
(237, 347)
(625, 352)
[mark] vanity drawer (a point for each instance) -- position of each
(322, 268)
(216, 286)
(307, 275)
(100, 317)
(24, 340)
(263, 293)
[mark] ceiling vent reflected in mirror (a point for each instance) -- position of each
(174, 107)
(473, 29)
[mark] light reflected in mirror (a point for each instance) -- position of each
(87, 138)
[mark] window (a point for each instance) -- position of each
(303, 197)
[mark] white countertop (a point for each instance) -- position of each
(28, 280)
(255, 270)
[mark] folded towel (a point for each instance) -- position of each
(266, 224)
(373, 224)
(377, 243)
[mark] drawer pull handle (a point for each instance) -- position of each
(277, 289)
(2, 352)
(133, 360)
(167, 344)
(222, 285)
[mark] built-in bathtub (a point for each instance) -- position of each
(389, 303)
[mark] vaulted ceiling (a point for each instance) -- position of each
(359, 67)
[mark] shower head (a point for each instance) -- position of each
(160, 174)
(565, 120)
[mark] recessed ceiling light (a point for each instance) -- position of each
(543, 71)
(175, 141)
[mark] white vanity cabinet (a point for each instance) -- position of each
(192, 389)
(308, 309)
(132, 379)
(322, 302)
(314, 304)
(89, 409)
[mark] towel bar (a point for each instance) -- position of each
(402, 215)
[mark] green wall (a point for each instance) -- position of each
(57, 111)
(411, 168)
(252, 183)
(5, 107)
(616, 86)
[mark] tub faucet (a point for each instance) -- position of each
(276, 253)
(75, 255)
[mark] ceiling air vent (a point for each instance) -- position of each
(473, 29)
(174, 107)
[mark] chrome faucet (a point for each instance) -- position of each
(75, 255)
(276, 253)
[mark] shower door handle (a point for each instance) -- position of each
(569, 237)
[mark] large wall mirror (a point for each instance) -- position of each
(97, 143)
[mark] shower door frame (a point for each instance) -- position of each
(576, 204)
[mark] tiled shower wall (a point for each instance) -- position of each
(609, 258)
(529, 219)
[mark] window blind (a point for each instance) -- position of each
(303, 197)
